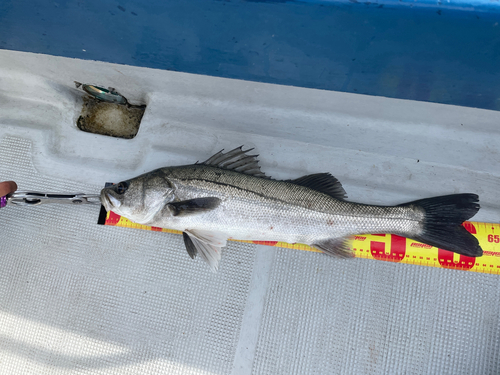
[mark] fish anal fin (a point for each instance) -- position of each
(322, 182)
(338, 247)
(193, 206)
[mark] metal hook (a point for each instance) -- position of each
(109, 95)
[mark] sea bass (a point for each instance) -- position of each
(228, 197)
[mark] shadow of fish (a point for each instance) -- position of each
(228, 197)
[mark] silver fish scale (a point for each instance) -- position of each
(255, 208)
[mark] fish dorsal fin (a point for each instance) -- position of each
(236, 160)
(322, 182)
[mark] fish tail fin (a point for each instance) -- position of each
(442, 224)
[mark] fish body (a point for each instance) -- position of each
(228, 197)
(256, 208)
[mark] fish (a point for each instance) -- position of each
(229, 197)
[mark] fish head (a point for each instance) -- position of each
(139, 199)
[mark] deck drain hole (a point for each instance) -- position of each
(103, 117)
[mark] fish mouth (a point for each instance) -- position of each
(108, 201)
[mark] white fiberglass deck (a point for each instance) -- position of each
(76, 297)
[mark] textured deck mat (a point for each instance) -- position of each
(79, 298)
(328, 316)
(76, 297)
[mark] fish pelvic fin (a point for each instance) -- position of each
(206, 243)
(190, 246)
(442, 223)
(338, 247)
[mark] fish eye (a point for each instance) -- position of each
(122, 187)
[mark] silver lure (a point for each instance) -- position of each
(228, 197)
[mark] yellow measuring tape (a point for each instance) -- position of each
(392, 248)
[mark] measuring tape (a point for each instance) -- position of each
(386, 247)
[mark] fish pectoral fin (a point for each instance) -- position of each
(193, 206)
(322, 182)
(339, 247)
(206, 243)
